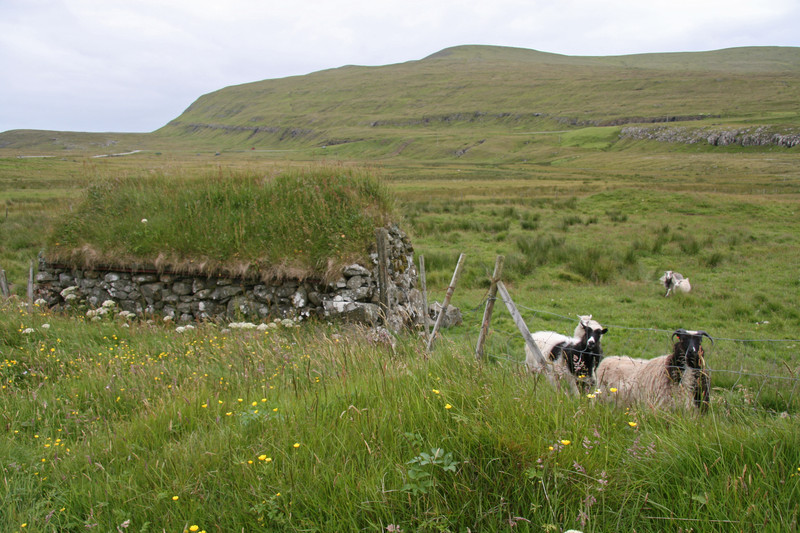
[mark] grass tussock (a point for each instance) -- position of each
(296, 223)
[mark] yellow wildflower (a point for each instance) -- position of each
(566, 442)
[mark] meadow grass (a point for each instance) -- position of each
(114, 425)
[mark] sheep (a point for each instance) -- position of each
(678, 379)
(575, 357)
(675, 282)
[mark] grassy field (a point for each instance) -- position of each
(135, 426)
(156, 430)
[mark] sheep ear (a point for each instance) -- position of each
(605, 330)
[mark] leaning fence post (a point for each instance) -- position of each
(4, 285)
(540, 362)
(30, 288)
(487, 313)
(383, 275)
(446, 302)
(425, 316)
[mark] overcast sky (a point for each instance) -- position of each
(134, 65)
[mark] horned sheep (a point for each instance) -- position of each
(678, 379)
(574, 358)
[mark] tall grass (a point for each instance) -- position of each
(318, 428)
(303, 222)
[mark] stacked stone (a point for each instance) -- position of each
(184, 298)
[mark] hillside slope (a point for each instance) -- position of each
(506, 87)
(473, 90)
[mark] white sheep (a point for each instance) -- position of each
(675, 282)
(574, 358)
(678, 379)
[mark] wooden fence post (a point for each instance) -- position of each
(446, 302)
(540, 363)
(383, 274)
(425, 316)
(30, 288)
(487, 313)
(6, 293)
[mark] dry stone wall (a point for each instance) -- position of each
(187, 298)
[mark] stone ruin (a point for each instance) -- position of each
(185, 298)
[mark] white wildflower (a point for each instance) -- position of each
(40, 302)
(262, 327)
(45, 326)
(27, 331)
(71, 297)
(144, 221)
(109, 304)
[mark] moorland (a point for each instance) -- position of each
(589, 175)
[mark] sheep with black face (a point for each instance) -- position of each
(574, 358)
(678, 379)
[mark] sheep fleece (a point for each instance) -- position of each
(644, 380)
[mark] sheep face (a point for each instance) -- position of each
(584, 358)
(689, 347)
(687, 358)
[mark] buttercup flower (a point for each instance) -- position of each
(566, 442)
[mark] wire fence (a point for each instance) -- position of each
(750, 374)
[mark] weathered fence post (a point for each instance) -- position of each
(30, 288)
(446, 302)
(425, 315)
(4, 285)
(540, 363)
(487, 313)
(383, 274)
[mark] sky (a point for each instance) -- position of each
(134, 65)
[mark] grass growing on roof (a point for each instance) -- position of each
(299, 223)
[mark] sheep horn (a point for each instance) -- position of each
(678, 332)
(703, 333)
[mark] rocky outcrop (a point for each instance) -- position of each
(755, 136)
(185, 298)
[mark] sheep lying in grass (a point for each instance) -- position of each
(675, 282)
(576, 357)
(678, 379)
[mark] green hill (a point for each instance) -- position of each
(483, 90)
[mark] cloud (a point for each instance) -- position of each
(111, 65)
